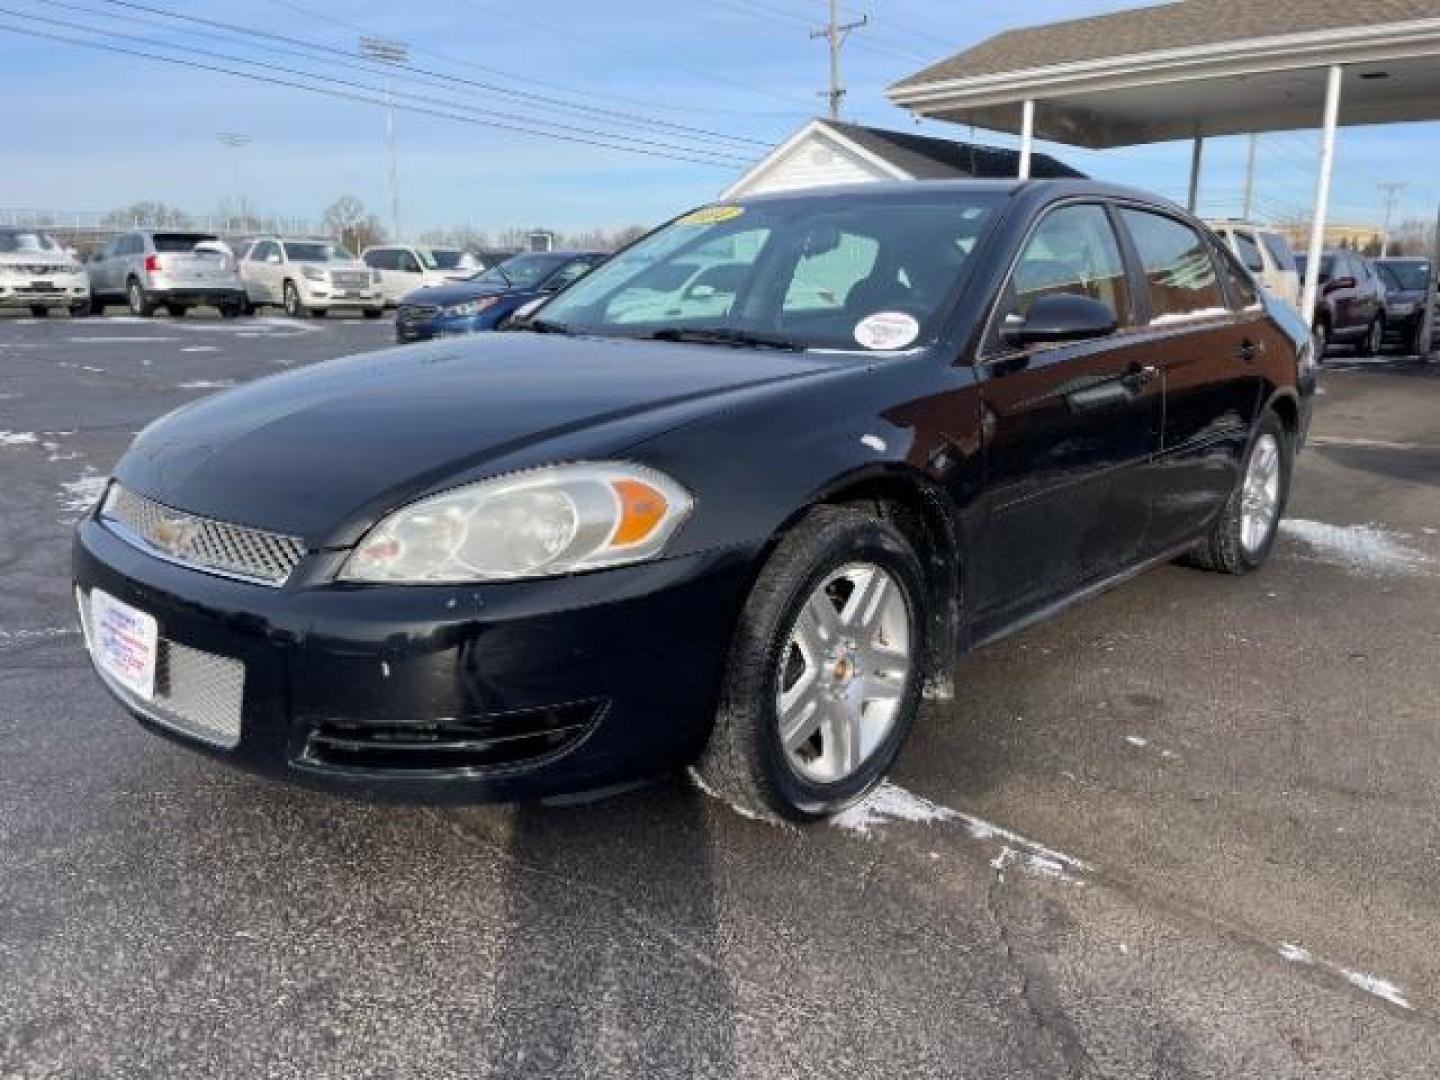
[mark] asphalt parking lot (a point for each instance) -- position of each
(1191, 829)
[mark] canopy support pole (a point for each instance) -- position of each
(1027, 136)
(1196, 153)
(1322, 194)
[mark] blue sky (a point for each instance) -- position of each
(101, 130)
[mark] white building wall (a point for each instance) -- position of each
(814, 161)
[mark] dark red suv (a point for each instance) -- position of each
(1350, 309)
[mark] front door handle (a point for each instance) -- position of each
(1139, 375)
(1250, 350)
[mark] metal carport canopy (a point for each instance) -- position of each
(1194, 69)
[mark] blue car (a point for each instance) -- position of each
(483, 301)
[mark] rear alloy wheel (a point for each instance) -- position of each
(1241, 538)
(1374, 343)
(824, 674)
(139, 303)
(293, 307)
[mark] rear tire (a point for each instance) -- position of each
(176, 311)
(232, 309)
(1235, 544)
(80, 309)
(1322, 339)
(39, 311)
(140, 304)
(97, 305)
(747, 761)
(374, 312)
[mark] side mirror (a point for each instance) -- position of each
(1060, 317)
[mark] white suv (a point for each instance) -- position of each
(308, 277)
(404, 268)
(37, 273)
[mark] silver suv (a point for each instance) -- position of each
(308, 277)
(37, 273)
(152, 268)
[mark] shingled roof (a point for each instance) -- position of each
(925, 157)
(1167, 27)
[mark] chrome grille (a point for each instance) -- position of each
(197, 693)
(43, 269)
(349, 279)
(202, 543)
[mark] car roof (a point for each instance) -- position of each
(1059, 187)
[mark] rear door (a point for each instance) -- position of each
(1208, 349)
(1069, 428)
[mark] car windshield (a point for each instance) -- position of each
(878, 272)
(316, 251)
(1405, 276)
(521, 271)
(440, 258)
(17, 240)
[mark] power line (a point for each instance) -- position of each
(345, 59)
(598, 139)
(720, 156)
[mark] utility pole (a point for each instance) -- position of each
(385, 51)
(835, 33)
(1250, 177)
(1392, 189)
(236, 142)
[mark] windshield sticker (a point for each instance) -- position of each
(711, 215)
(887, 330)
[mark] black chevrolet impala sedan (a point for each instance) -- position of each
(737, 500)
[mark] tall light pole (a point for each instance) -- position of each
(236, 142)
(835, 32)
(385, 51)
(1392, 189)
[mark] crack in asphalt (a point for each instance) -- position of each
(1077, 1058)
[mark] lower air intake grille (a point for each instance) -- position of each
(202, 543)
(499, 742)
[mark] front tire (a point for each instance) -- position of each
(176, 311)
(824, 674)
(374, 312)
(1242, 537)
(80, 309)
(139, 303)
(293, 307)
(1374, 342)
(39, 311)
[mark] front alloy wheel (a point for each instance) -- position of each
(293, 307)
(842, 673)
(823, 676)
(1242, 536)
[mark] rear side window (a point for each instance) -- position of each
(1179, 272)
(1243, 291)
(1073, 251)
(1279, 250)
(1249, 252)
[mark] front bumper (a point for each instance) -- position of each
(437, 693)
(62, 290)
(318, 296)
(425, 328)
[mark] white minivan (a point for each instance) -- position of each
(403, 268)
(1265, 253)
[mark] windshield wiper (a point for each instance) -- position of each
(728, 336)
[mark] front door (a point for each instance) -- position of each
(1069, 430)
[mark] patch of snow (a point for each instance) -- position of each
(79, 495)
(205, 384)
(1364, 549)
(706, 789)
(1371, 984)
(890, 802)
(17, 438)
(120, 340)
(1032, 863)
(44, 633)
(1136, 740)
(983, 830)
(201, 348)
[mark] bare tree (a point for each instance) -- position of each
(149, 213)
(347, 221)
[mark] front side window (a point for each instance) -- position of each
(1179, 272)
(840, 272)
(315, 251)
(1072, 252)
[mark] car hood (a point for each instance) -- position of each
(454, 293)
(321, 452)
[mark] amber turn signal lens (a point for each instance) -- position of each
(642, 508)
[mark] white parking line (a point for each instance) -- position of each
(1369, 444)
(1381, 988)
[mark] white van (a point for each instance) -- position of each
(1265, 253)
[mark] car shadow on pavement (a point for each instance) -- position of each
(612, 963)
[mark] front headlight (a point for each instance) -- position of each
(541, 523)
(314, 273)
(471, 307)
